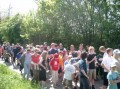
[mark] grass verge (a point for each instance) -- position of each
(12, 80)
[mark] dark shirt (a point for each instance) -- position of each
(18, 49)
(82, 66)
(100, 55)
(52, 51)
(74, 53)
(92, 64)
(74, 60)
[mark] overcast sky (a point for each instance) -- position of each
(18, 6)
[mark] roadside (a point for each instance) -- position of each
(49, 84)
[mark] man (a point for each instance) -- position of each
(69, 73)
(84, 79)
(107, 60)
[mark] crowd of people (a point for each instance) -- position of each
(83, 66)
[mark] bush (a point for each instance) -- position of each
(12, 80)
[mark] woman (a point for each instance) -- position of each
(91, 60)
(42, 73)
(27, 63)
(35, 58)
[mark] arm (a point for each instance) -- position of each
(116, 81)
(92, 60)
(105, 67)
(84, 74)
(41, 60)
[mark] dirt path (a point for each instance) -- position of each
(49, 85)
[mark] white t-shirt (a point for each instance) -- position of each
(68, 71)
(107, 60)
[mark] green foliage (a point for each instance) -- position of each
(92, 22)
(12, 80)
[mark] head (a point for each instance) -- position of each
(45, 43)
(56, 55)
(72, 48)
(113, 66)
(44, 55)
(81, 46)
(60, 52)
(91, 49)
(109, 51)
(60, 45)
(18, 45)
(84, 55)
(36, 50)
(102, 49)
(116, 54)
(52, 45)
(28, 50)
(41, 47)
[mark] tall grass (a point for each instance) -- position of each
(12, 80)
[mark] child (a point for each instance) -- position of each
(113, 77)
(54, 64)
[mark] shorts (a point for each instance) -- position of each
(60, 70)
(67, 83)
(105, 80)
(18, 56)
(76, 78)
(54, 76)
(92, 73)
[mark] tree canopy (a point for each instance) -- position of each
(92, 22)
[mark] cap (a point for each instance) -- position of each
(113, 65)
(116, 51)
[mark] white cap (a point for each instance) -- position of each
(113, 65)
(116, 51)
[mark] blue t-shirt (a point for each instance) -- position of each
(82, 66)
(112, 76)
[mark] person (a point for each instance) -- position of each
(68, 57)
(35, 58)
(113, 77)
(51, 53)
(99, 69)
(27, 61)
(54, 66)
(107, 60)
(1, 51)
(72, 51)
(69, 73)
(91, 60)
(116, 56)
(42, 73)
(84, 78)
(19, 51)
(61, 62)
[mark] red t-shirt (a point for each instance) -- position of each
(54, 63)
(36, 59)
(1, 50)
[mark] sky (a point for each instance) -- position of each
(18, 6)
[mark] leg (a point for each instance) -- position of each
(84, 83)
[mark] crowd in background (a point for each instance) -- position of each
(82, 65)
